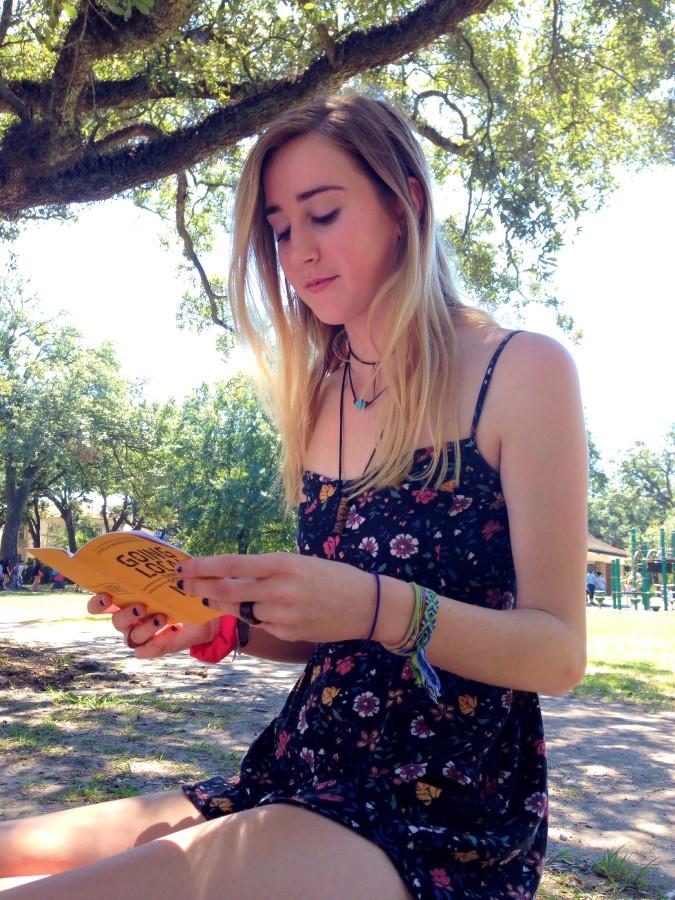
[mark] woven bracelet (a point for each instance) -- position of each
(420, 631)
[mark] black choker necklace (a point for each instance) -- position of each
(358, 358)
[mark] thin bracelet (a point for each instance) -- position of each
(377, 607)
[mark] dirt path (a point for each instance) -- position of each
(121, 724)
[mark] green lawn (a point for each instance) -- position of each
(46, 606)
(631, 657)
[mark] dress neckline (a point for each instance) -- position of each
(311, 473)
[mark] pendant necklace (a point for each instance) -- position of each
(343, 503)
(360, 403)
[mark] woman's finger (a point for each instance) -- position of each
(141, 631)
(129, 616)
(100, 603)
(229, 592)
(235, 565)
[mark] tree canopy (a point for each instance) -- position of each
(525, 109)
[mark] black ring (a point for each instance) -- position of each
(246, 613)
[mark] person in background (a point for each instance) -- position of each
(590, 586)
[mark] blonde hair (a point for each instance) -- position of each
(419, 348)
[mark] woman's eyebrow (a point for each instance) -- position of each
(305, 195)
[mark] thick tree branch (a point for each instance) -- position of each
(93, 36)
(191, 253)
(97, 176)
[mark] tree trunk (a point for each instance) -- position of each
(16, 497)
(34, 522)
(243, 540)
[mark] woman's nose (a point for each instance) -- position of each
(303, 248)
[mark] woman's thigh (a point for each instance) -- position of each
(286, 852)
(57, 841)
(279, 852)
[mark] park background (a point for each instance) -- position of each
(67, 686)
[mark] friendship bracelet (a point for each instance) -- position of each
(377, 607)
(420, 631)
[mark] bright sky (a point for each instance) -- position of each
(110, 275)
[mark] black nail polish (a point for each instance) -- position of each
(156, 622)
(174, 628)
(135, 611)
(205, 601)
(178, 569)
(102, 603)
(179, 584)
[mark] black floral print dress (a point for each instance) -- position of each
(455, 791)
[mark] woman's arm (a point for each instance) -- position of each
(540, 645)
(265, 646)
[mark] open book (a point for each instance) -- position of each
(131, 566)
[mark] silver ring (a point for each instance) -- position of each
(246, 613)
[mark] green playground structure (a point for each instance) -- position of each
(646, 567)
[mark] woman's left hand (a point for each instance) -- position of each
(296, 597)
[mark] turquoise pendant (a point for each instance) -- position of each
(360, 404)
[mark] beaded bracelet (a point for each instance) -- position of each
(418, 635)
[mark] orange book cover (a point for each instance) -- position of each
(131, 566)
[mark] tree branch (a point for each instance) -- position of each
(93, 36)
(97, 176)
(142, 129)
(5, 20)
(190, 252)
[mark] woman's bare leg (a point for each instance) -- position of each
(54, 842)
(276, 852)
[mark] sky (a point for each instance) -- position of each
(109, 273)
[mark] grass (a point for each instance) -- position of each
(45, 606)
(630, 658)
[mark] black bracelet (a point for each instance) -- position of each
(243, 629)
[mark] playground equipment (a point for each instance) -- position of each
(645, 564)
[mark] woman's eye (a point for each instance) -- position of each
(319, 220)
(326, 220)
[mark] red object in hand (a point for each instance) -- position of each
(223, 643)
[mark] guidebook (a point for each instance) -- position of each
(131, 566)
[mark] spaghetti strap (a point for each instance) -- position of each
(486, 382)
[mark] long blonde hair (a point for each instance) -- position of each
(419, 350)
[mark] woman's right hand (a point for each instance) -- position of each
(152, 636)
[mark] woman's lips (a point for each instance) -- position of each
(316, 286)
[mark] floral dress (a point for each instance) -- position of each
(455, 791)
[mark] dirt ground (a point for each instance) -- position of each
(91, 721)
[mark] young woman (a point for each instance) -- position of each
(440, 467)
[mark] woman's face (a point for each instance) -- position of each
(336, 240)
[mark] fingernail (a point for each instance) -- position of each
(178, 569)
(205, 601)
(156, 622)
(135, 611)
(174, 628)
(179, 584)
